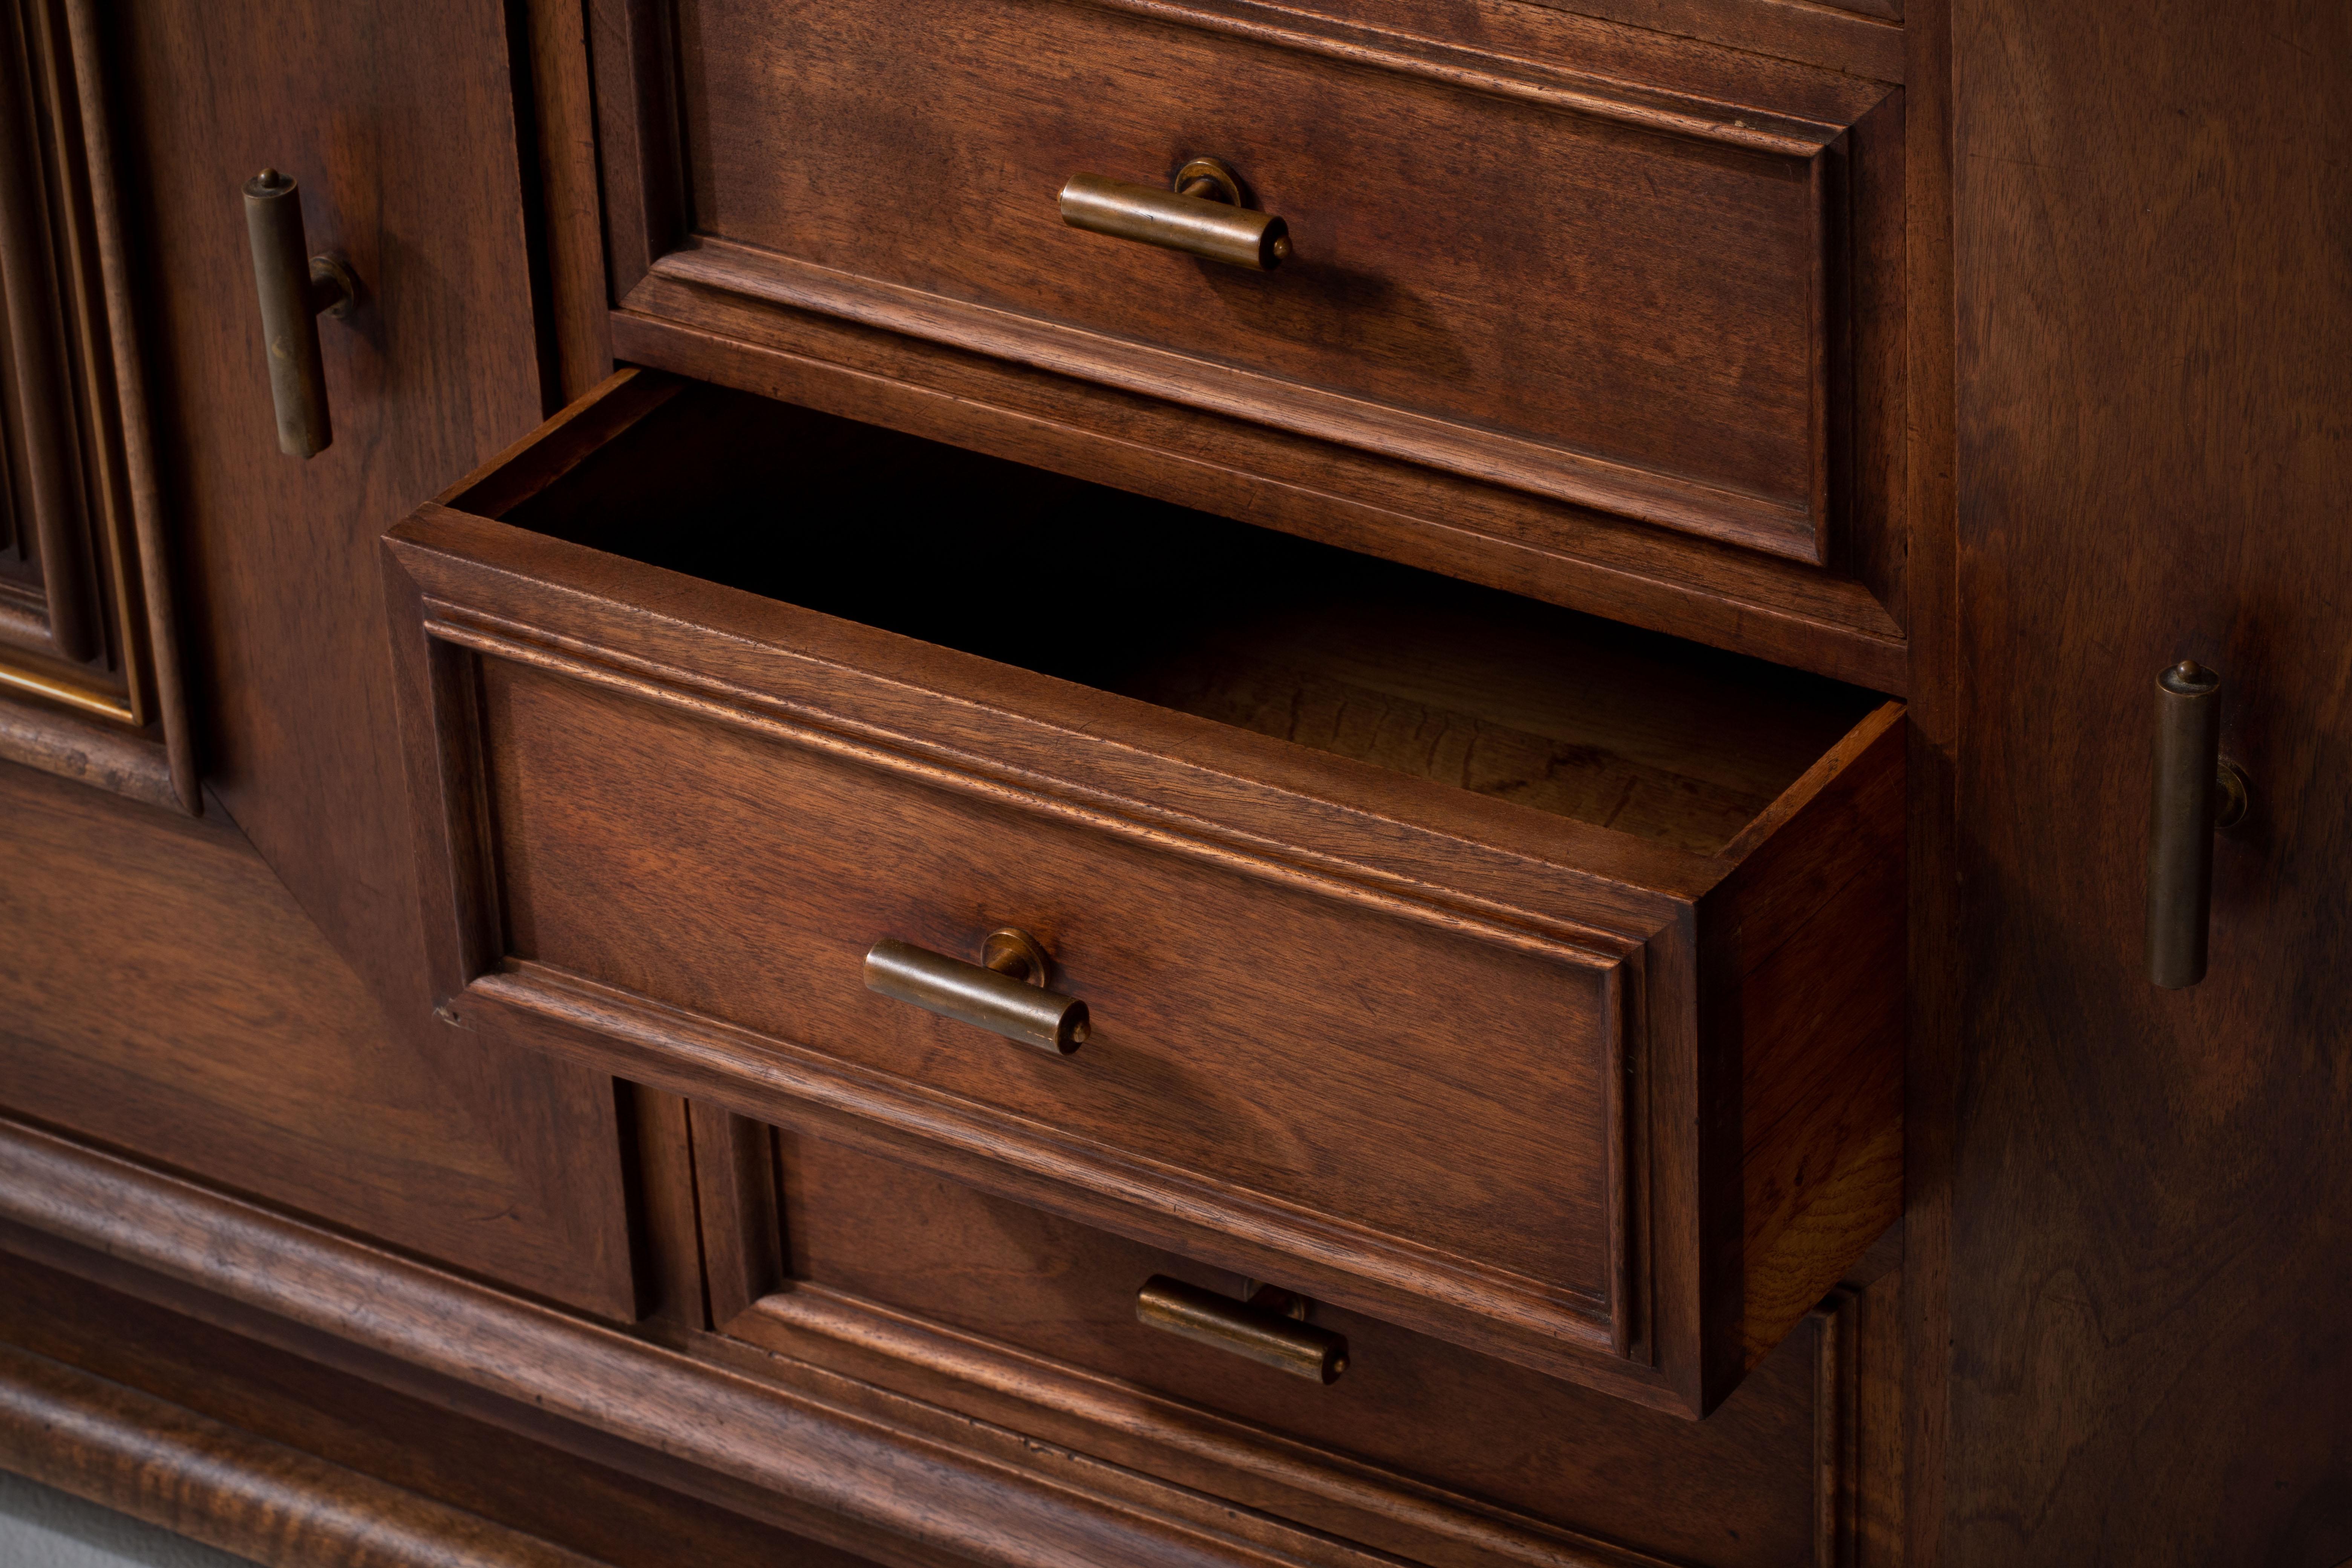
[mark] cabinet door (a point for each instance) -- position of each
(335, 1091)
(2142, 1194)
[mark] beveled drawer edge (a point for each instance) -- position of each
(1769, 607)
(569, 608)
(781, 1081)
(1129, 819)
(803, 1322)
(1789, 530)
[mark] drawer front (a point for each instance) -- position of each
(1507, 265)
(1030, 1321)
(1310, 1067)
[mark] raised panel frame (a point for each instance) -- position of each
(90, 673)
(753, 1311)
(1826, 594)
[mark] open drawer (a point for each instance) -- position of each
(1503, 974)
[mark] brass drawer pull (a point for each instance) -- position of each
(1004, 992)
(2196, 791)
(1265, 1328)
(296, 289)
(1203, 215)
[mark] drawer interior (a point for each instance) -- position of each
(1345, 653)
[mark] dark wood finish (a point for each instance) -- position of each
(1690, 587)
(2143, 1352)
(51, 588)
(577, 322)
(1858, 39)
(1431, 1452)
(1939, 997)
(697, 875)
(1811, 925)
(670, 1258)
(91, 661)
(435, 368)
(852, 1465)
(336, 1465)
(1618, 299)
(2094, 396)
(197, 1478)
(1376, 350)
(398, 121)
(164, 993)
(37, 735)
(736, 1197)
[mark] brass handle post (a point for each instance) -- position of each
(1004, 993)
(1268, 1327)
(295, 288)
(1202, 216)
(2195, 793)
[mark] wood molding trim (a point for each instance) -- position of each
(1547, 503)
(87, 750)
(196, 1477)
(1851, 38)
(87, 616)
(1849, 1337)
(838, 1459)
(1223, 1456)
(1657, 579)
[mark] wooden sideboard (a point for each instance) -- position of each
(1418, 833)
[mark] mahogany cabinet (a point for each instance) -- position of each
(1178, 782)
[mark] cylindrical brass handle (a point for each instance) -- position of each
(294, 287)
(2195, 793)
(1202, 216)
(1266, 1328)
(1005, 993)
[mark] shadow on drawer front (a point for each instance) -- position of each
(1456, 960)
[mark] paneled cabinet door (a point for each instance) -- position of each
(239, 997)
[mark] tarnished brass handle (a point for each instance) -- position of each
(1202, 216)
(1266, 1328)
(1004, 992)
(2196, 791)
(295, 288)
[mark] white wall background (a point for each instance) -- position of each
(41, 1528)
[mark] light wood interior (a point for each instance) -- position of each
(1340, 652)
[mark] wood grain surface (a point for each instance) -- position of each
(1614, 317)
(2148, 1358)
(165, 994)
(198, 1477)
(282, 1458)
(956, 259)
(831, 1457)
(925, 1283)
(87, 608)
(397, 123)
(1278, 1060)
(1737, 599)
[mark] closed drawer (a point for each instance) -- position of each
(1509, 975)
(1420, 1449)
(1551, 255)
